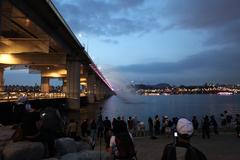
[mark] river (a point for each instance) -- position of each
(126, 105)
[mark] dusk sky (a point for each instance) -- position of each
(149, 41)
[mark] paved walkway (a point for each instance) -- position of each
(225, 146)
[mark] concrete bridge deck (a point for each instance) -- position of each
(34, 36)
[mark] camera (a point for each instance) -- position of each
(43, 114)
(175, 134)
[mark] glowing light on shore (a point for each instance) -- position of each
(6, 58)
(83, 79)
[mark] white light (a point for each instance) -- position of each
(80, 35)
(5, 58)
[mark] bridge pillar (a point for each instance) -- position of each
(101, 90)
(91, 82)
(105, 92)
(1, 79)
(73, 83)
(109, 92)
(45, 84)
(64, 86)
(98, 90)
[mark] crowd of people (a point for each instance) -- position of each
(101, 128)
(204, 125)
(156, 126)
(111, 131)
(38, 124)
(104, 127)
(47, 124)
(118, 134)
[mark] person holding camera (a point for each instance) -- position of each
(181, 149)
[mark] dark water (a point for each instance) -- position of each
(173, 105)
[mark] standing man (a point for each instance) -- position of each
(107, 126)
(206, 127)
(181, 148)
(238, 125)
(130, 124)
(213, 122)
(72, 129)
(156, 125)
(150, 125)
(84, 128)
(195, 123)
(100, 126)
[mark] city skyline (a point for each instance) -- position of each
(180, 42)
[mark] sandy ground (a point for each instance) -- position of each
(225, 146)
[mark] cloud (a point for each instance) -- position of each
(110, 41)
(211, 65)
(107, 18)
(219, 18)
(204, 13)
(228, 35)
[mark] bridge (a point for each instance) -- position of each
(34, 35)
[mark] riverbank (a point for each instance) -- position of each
(222, 147)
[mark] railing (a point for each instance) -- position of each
(14, 96)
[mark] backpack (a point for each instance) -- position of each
(125, 146)
(51, 120)
(192, 153)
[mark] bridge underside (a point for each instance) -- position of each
(33, 35)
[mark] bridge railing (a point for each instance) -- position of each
(14, 96)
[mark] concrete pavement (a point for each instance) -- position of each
(225, 146)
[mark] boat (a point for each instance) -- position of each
(165, 94)
(225, 93)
